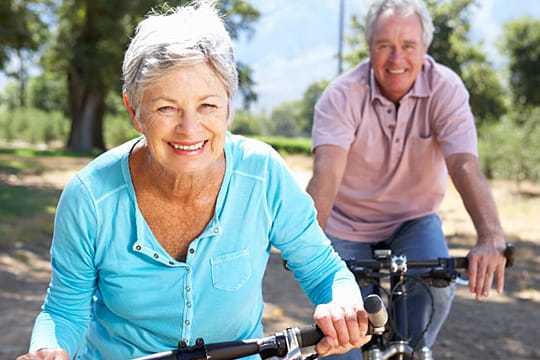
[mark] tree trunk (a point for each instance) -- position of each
(87, 111)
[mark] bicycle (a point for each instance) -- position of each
(392, 340)
(285, 344)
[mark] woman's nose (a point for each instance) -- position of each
(187, 121)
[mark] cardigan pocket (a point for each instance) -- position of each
(231, 271)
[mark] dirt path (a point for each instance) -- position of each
(503, 327)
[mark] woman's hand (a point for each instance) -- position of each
(46, 354)
(344, 326)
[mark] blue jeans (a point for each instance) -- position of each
(420, 238)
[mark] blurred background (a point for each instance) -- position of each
(60, 81)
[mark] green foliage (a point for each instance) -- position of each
(47, 92)
(450, 45)
(509, 148)
(287, 145)
(487, 94)
(246, 124)
(29, 153)
(10, 96)
(311, 96)
(295, 118)
(32, 125)
(118, 129)
(356, 42)
(21, 26)
(521, 42)
(246, 84)
(286, 119)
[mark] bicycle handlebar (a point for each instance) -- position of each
(277, 344)
(284, 343)
(386, 261)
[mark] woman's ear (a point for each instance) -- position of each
(132, 113)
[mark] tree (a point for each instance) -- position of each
(246, 123)
(311, 95)
(521, 42)
(22, 32)
(91, 39)
(48, 93)
(285, 119)
(451, 47)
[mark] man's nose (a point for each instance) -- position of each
(396, 54)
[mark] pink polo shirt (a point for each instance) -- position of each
(395, 167)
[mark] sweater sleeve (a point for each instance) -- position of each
(321, 273)
(65, 313)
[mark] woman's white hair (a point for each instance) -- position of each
(400, 7)
(180, 37)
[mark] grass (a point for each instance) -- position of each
(27, 208)
(28, 153)
(26, 216)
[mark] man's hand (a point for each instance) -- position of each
(344, 326)
(485, 262)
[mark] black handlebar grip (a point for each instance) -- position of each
(309, 335)
(461, 262)
(509, 254)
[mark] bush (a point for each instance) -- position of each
(117, 129)
(508, 149)
(285, 145)
(33, 126)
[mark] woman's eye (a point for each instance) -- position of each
(208, 107)
(167, 110)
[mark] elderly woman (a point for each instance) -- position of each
(167, 237)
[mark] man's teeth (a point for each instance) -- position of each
(188, 147)
(400, 71)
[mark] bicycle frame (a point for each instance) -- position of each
(397, 345)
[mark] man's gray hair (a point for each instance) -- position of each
(180, 37)
(403, 8)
